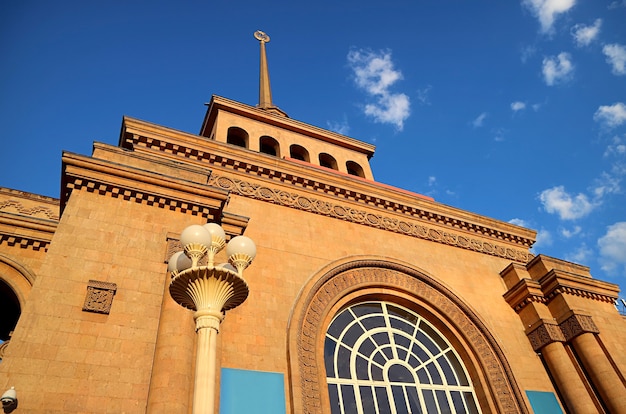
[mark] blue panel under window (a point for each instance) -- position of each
(244, 392)
(544, 402)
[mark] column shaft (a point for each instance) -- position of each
(206, 365)
(567, 379)
(603, 375)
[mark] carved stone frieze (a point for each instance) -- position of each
(407, 227)
(29, 211)
(577, 325)
(344, 279)
(99, 296)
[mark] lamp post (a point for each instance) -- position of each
(209, 290)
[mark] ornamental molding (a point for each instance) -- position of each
(36, 211)
(24, 242)
(361, 274)
(344, 212)
(99, 297)
(181, 148)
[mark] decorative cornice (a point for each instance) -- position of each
(352, 276)
(180, 148)
(140, 186)
(557, 282)
(344, 212)
(525, 292)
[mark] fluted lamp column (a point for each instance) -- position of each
(209, 290)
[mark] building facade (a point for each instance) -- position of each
(364, 298)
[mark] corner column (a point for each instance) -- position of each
(548, 339)
(580, 331)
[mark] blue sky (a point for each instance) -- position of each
(513, 109)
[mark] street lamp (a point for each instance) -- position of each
(209, 290)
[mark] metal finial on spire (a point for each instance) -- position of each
(265, 91)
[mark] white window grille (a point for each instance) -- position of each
(383, 358)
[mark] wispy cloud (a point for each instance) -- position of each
(584, 35)
(581, 255)
(616, 147)
(479, 120)
(375, 74)
(611, 116)
(341, 127)
(546, 11)
(616, 57)
(518, 106)
(612, 248)
(557, 69)
(423, 95)
(617, 4)
(527, 52)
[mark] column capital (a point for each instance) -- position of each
(543, 333)
(573, 324)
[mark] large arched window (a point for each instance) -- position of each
(383, 358)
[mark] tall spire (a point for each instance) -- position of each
(265, 91)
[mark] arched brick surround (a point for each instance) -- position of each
(356, 279)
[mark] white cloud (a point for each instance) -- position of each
(479, 120)
(517, 106)
(617, 4)
(375, 74)
(606, 184)
(432, 180)
(498, 134)
(518, 222)
(548, 10)
(612, 247)
(616, 147)
(611, 115)
(584, 35)
(616, 57)
(556, 200)
(580, 255)
(568, 234)
(543, 239)
(557, 69)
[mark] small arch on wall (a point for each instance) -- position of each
(16, 281)
(328, 161)
(356, 279)
(237, 136)
(299, 153)
(355, 169)
(268, 145)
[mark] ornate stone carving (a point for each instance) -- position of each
(344, 279)
(99, 296)
(346, 213)
(545, 334)
(577, 325)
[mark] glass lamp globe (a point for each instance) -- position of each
(195, 234)
(215, 230)
(178, 262)
(241, 245)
